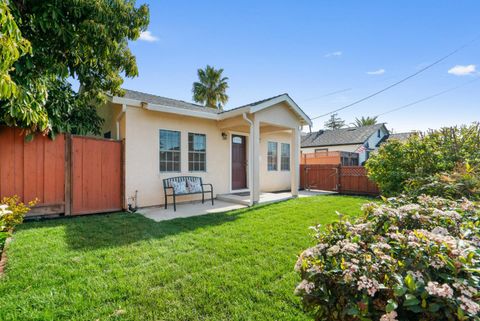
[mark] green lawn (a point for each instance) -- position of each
(229, 266)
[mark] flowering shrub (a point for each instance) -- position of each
(12, 211)
(463, 181)
(397, 261)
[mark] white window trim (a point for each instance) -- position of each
(188, 151)
(276, 169)
(179, 151)
(289, 157)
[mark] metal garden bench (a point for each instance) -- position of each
(185, 185)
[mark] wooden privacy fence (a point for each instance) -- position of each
(70, 175)
(342, 179)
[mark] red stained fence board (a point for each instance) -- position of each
(96, 175)
(342, 179)
(81, 173)
(34, 169)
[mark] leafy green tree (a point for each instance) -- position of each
(82, 39)
(397, 164)
(365, 121)
(12, 47)
(211, 88)
(334, 122)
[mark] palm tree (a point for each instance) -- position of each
(365, 121)
(211, 87)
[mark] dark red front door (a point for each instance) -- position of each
(239, 162)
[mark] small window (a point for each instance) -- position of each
(285, 157)
(321, 150)
(107, 135)
(169, 151)
(272, 156)
(378, 133)
(197, 152)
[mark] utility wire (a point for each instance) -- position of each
(428, 97)
(402, 80)
(329, 94)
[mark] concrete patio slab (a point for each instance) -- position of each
(265, 198)
(159, 214)
(222, 204)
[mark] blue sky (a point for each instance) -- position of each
(312, 48)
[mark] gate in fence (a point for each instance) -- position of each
(338, 178)
(70, 175)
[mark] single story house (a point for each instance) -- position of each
(253, 148)
(361, 140)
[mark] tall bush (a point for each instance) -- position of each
(398, 261)
(422, 156)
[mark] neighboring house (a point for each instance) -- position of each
(361, 140)
(253, 148)
(400, 136)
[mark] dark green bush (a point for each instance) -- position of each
(422, 156)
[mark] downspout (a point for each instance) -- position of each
(250, 158)
(124, 109)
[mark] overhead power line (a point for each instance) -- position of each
(402, 80)
(428, 97)
(329, 94)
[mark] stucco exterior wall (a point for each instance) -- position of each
(279, 115)
(271, 181)
(110, 112)
(142, 154)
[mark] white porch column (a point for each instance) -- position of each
(255, 186)
(295, 162)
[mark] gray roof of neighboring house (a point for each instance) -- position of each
(159, 100)
(341, 136)
(401, 136)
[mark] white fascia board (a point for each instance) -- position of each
(125, 101)
(180, 111)
(234, 112)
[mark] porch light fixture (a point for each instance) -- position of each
(224, 136)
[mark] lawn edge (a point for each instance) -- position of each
(3, 258)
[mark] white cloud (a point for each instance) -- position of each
(460, 70)
(147, 36)
(376, 72)
(333, 54)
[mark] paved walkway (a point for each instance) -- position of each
(159, 214)
(187, 210)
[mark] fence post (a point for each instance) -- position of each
(339, 179)
(68, 174)
(123, 175)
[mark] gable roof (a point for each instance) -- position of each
(268, 102)
(341, 136)
(159, 103)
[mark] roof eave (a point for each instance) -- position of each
(180, 111)
(326, 145)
